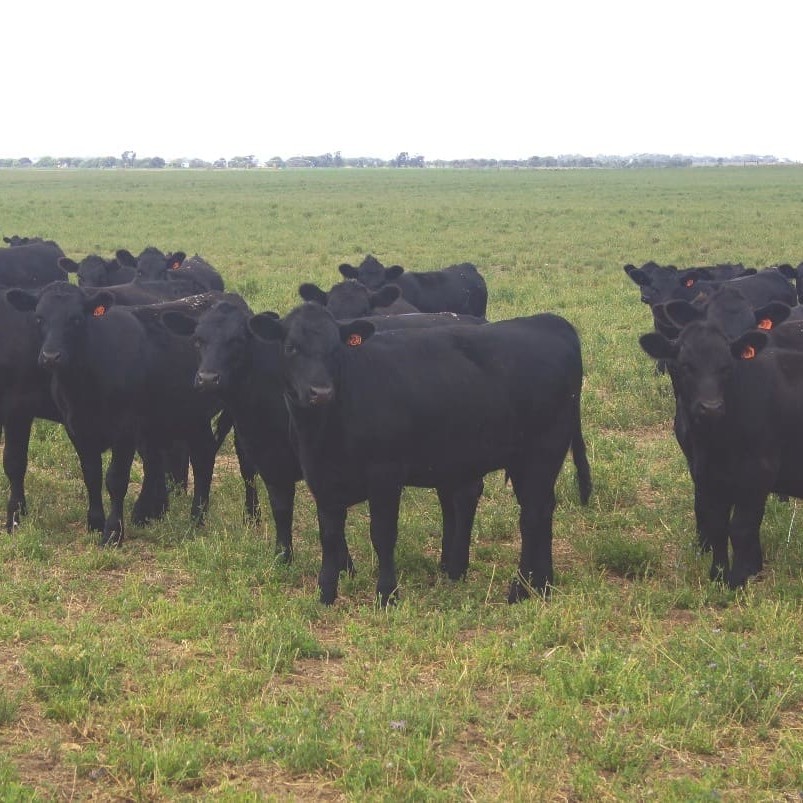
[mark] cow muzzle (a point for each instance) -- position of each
(318, 395)
(49, 359)
(207, 380)
(709, 409)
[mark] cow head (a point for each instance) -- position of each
(704, 363)
(95, 271)
(351, 299)
(313, 345)
(151, 264)
(371, 272)
(222, 339)
(63, 313)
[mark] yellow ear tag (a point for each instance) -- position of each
(99, 311)
(354, 340)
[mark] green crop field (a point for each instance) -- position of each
(190, 664)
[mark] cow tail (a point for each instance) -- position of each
(581, 463)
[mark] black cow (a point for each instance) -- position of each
(15, 240)
(245, 372)
(95, 271)
(33, 265)
(740, 403)
(153, 265)
(457, 288)
(24, 395)
(758, 289)
(431, 408)
(659, 282)
(120, 380)
(352, 299)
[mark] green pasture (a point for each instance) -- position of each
(190, 664)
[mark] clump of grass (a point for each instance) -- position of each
(625, 557)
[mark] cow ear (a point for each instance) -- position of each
(348, 271)
(179, 323)
(658, 347)
(385, 296)
(98, 304)
(749, 344)
(126, 258)
(21, 300)
(7, 240)
(681, 313)
(690, 278)
(787, 271)
(267, 326)
(68, 265)
(393, 272)
(355, 332)
(311, 292)
(774, 313)
(637, 275)
(174, 261)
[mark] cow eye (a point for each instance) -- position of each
(38, 320)
(197, 342)
(289, 349)
(76, 322)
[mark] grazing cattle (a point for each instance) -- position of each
(739, 403)
(431, 408)
(121, 381)
(33, 265)
(457, 288)
(245, 372)
(763, 287)
(352, 299)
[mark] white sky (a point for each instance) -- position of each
(446, 79)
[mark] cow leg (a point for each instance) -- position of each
(15, 464)
(117, 478)
(334, 552)
(383, 506)
(535, 492)
(152, 502)
(448, 521)
(462, 502)
(92, 469)
(202, 457)
(248, 472)
(282, 497)
(177, 461)
(712, 514)
(745, 536)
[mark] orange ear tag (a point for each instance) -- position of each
(748, 353)
(175, 266)
(765, 323)
(354, 340)
(99, 311)
(688, 283)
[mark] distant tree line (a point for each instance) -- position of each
(129, 159)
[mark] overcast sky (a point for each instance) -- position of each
(501, 79)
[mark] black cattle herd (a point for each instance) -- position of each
(391, 378)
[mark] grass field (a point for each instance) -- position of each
(189, 664)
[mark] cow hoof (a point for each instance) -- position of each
(284, 554)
